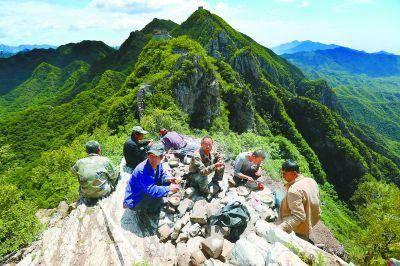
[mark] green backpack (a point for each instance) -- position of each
(235, 216)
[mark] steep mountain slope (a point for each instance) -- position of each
(47, 85)
(362, 87)
(16, 69)
(301, 46)
(213, 79)
(275, 96)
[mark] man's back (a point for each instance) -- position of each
(96, 176)
(173, 140)
(134, 152)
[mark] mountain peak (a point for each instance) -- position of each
(159, 24)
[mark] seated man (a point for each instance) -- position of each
(96, 175)
(135, 148)
(247, 167)
(206, 161)
(300, 209)
(172, 140)
(149, 183)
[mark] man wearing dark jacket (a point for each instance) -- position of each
(135, 148)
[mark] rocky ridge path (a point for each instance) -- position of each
(107, 234)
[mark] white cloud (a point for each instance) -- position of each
(284, 1)
(111, 21)
(305, 3)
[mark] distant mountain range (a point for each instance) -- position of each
(380, 64)
(8, 51)
(366, 84)
(302, 46)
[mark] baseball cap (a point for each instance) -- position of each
(139, 129)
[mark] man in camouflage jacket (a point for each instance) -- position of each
(96, 175)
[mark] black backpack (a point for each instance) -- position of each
(235, 216)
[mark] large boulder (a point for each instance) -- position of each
(273, 234)
(199, 214)
(213, 246)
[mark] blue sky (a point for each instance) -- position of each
(370, 25)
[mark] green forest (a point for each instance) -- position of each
(204, 77)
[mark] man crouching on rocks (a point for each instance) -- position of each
(149, 183)
(206, 161)
(96, 175)
(300, 208)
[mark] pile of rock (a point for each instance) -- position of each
(108, 234)
(186, 225)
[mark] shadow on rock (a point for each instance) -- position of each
(140, 223)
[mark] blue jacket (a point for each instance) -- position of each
(145, 180)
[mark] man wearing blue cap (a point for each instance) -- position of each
(149, 183)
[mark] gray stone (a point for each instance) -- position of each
(245, 253)
(212, 208)
(63, 209)
(213, 246)
(197, 258)
(163, 232)
(213, 262)
(226, 250)
(183, 237)
(182, 254)
(199, 214)
(194, 230)
(174, 235)
(243, 191)
(185, 205)
(194, 244)
(189, 192)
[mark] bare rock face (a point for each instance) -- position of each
(198, 93)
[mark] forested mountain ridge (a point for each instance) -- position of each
(367, 86)
(213, 78)
(16, 69)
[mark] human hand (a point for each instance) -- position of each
(250, 179)
(219, 164)
(173, 188)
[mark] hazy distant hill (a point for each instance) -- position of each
(23, 47)
(302, 46)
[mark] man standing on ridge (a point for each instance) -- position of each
(206, 162)
(96, 175)
(135, 148)
(300, 209)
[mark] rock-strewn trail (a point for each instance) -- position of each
(107, 234)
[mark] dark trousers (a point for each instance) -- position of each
(149, 205)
